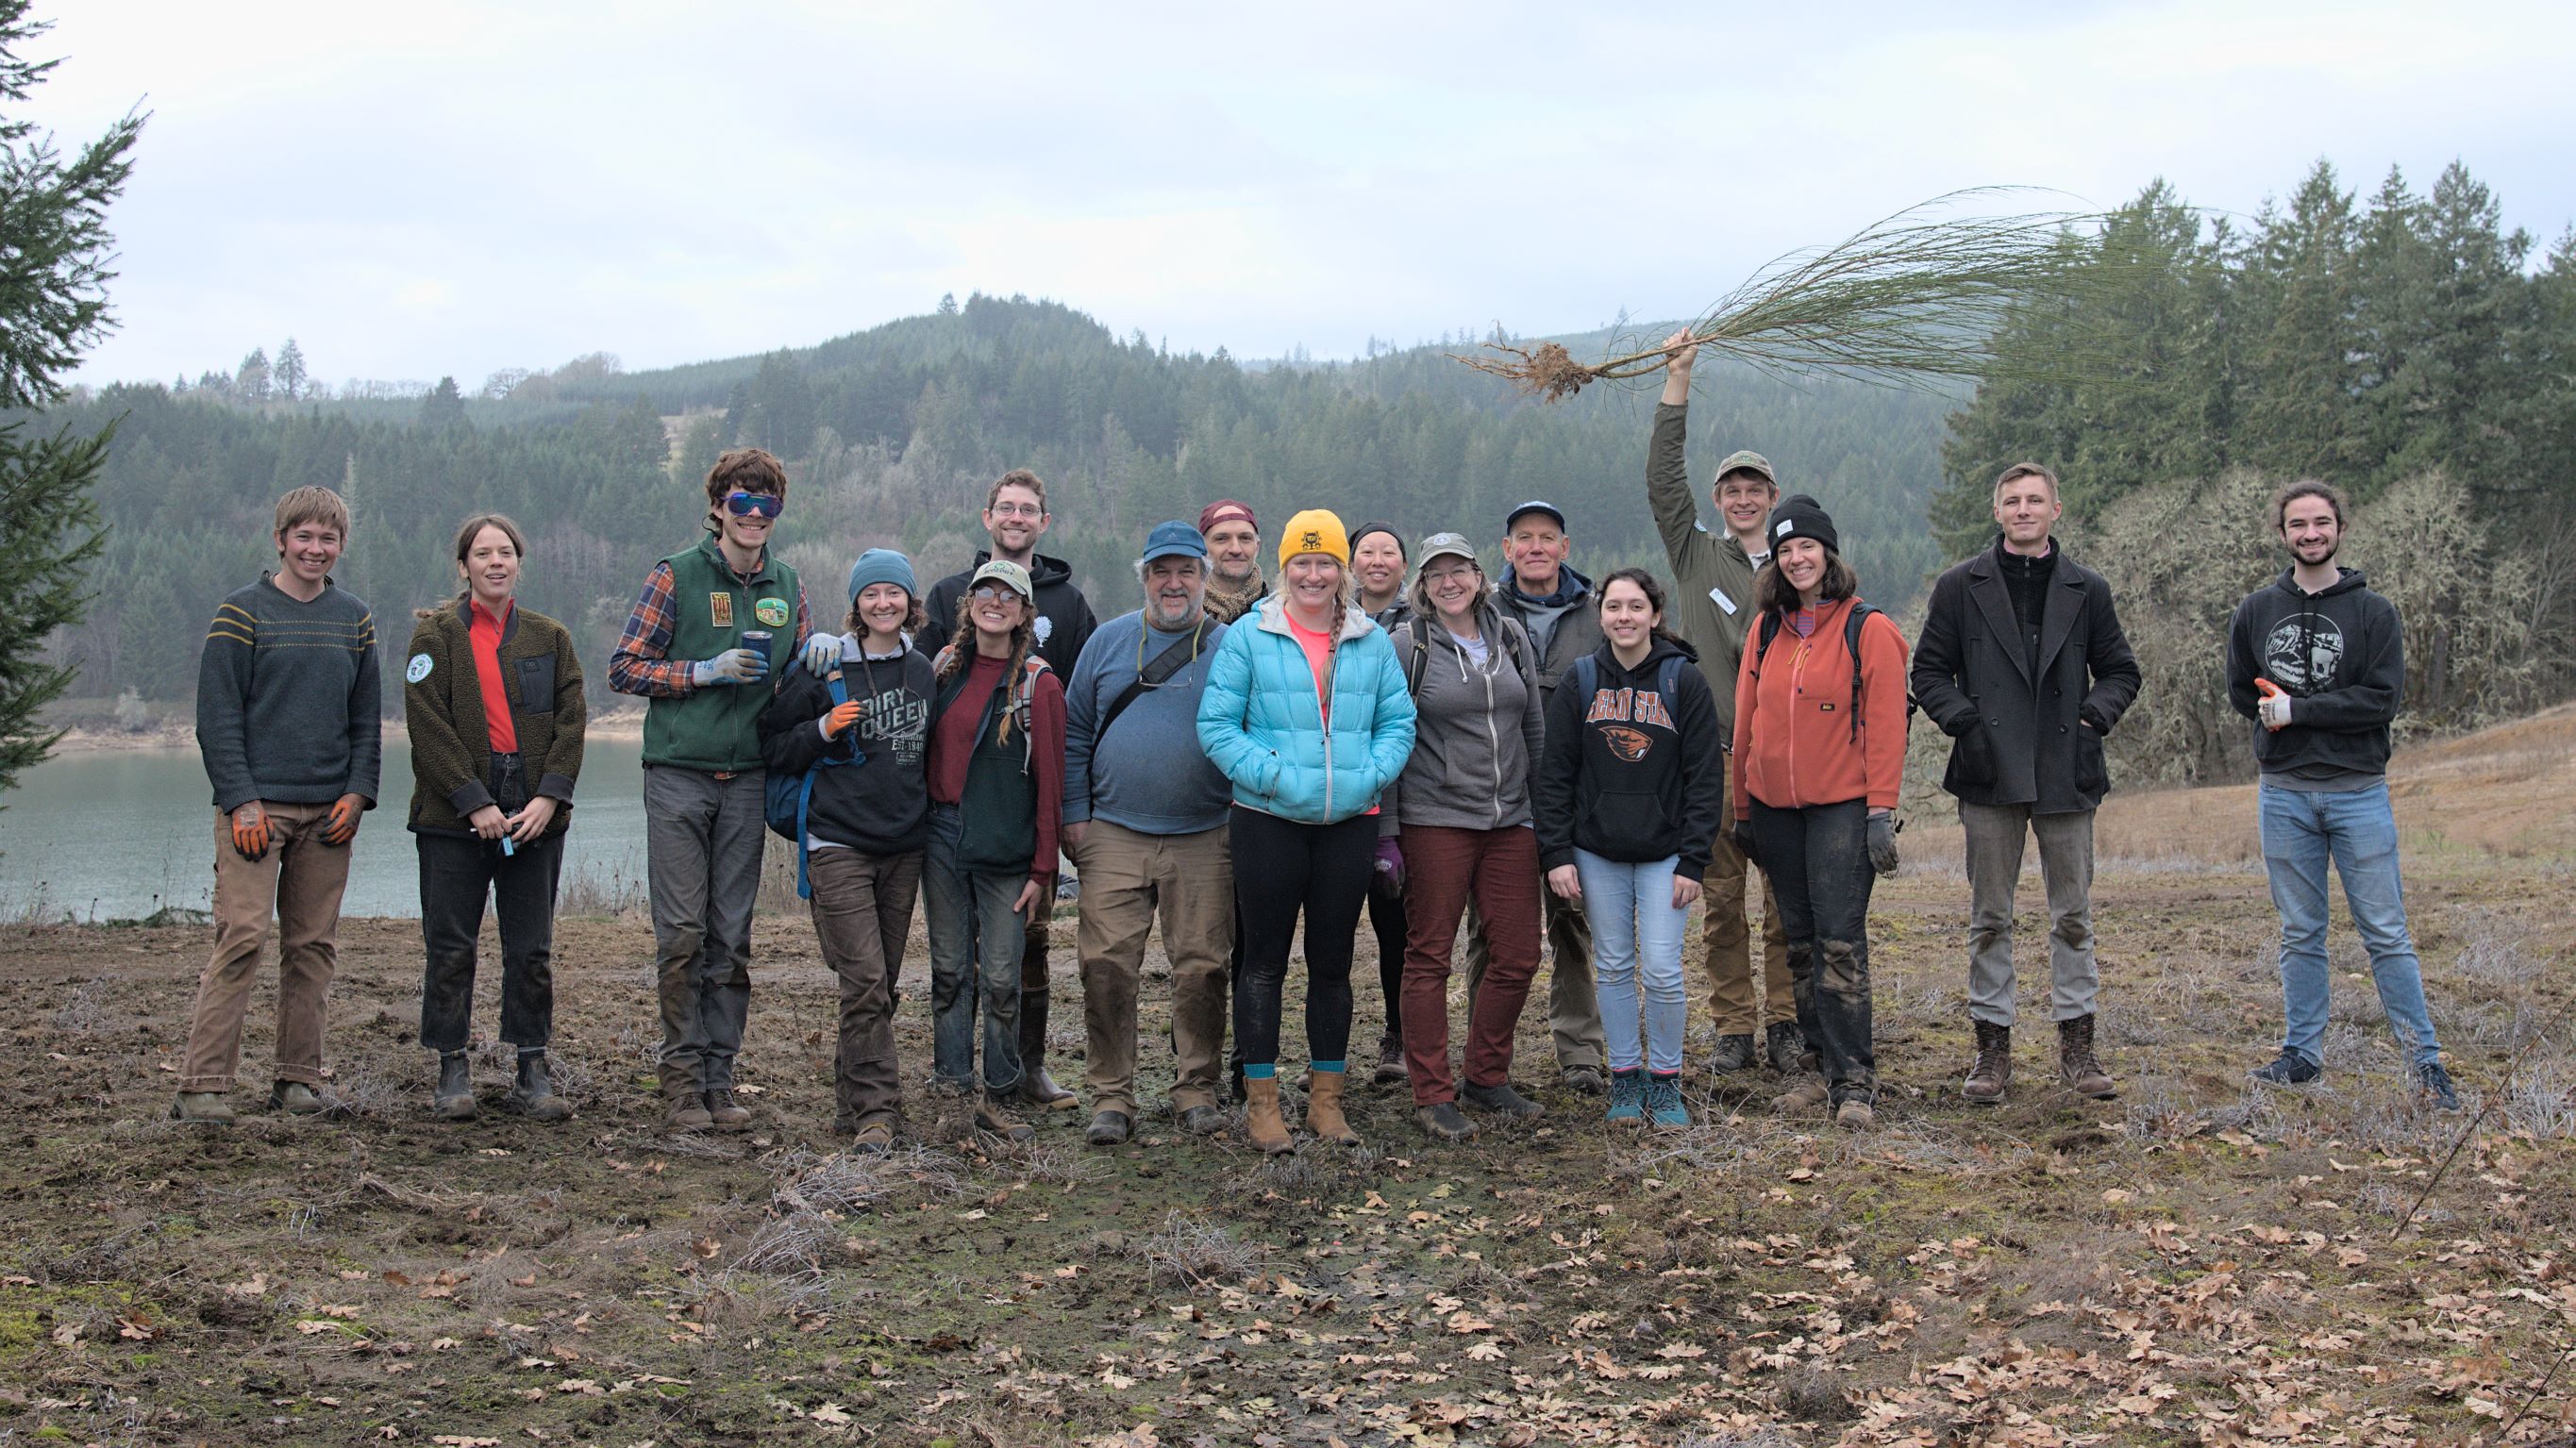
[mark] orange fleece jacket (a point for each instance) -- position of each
(1793, 744)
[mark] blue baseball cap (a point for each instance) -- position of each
(1174, 539)
(1535, 505)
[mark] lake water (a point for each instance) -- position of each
(119, 834)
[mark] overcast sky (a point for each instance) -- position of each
(454, 188)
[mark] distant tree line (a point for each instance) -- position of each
(2408, 349)
(893, 435)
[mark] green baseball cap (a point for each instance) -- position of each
(1747, 461)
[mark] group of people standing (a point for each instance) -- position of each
(1558, 770)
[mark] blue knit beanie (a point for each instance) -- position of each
(882, 565)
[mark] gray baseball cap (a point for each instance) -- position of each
(1447, 545)
(1747, 461)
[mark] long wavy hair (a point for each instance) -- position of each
(1772, 592)
(961, 648)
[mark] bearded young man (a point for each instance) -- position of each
(2317, 661)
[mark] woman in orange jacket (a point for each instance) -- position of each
(1819, 756)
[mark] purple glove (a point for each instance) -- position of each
(1390, 862)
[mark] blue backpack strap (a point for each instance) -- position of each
(1587, 677)
(840, 687)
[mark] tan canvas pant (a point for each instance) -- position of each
(1129, 877)
(300, 879)
(1730, 943)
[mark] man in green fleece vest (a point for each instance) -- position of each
(700, 646)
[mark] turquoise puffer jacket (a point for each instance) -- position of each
(1260, 724)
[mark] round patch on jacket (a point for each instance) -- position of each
(772, 612)
(417, 670)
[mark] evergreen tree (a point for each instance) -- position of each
(54, 249)
(290, 374)
(252, 381)
(444, 406)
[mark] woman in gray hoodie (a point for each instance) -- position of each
(1461, 812)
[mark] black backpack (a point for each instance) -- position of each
(1418, 661)
(1860, 612)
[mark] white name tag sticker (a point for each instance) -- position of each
(1722, 601)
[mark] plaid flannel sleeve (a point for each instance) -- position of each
(638, 665)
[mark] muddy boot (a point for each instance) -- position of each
(991, 1114)
(1037, 1088)
(2076, 1062)
(1855, 1114)
(202, 1108)
(1390, 1061)
(1734, 1053)
(1324, 1107)
(296, 1098)
(1262, 1125)
(727, 1113)
(684, 1107)
(1993, 1071)
(535, 1095)
(454, 1098)
(1782, 1045)
(1442, 1121)
(1807, 1088)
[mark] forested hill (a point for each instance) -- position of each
(893, 435)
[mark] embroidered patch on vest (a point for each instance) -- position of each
(772, 612)
(720, 609)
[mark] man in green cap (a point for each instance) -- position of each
(1712, 604)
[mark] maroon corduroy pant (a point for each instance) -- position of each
(1443, 869)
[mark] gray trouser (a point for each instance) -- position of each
(703, 839)
(1995, 834)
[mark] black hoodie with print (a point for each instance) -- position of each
(2341, 656)
(1628, 774)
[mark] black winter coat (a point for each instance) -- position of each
(2019, 738)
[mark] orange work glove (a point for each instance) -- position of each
(838, 722)
(250, 830)
(341, 825)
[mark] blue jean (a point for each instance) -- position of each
(1636, 952)
(975, 944)
(2356, 830)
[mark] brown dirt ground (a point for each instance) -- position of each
(2198, 1261)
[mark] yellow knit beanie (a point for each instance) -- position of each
(1314, 531)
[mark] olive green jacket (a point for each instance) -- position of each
(451, 748)
(1713, 579)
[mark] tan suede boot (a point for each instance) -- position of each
(1261, 1123)
(1324, 1107)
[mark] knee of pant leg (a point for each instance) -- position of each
(1844, 968)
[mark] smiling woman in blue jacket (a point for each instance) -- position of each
(1307, 714)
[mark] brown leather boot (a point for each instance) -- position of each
(1993, 1071)
(1261, 1123)
(1324, 1107)
(2076, 1062)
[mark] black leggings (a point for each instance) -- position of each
(1386, 917)
(1280, 869)
(1817, 860)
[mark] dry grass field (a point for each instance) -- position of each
(2199, 1261)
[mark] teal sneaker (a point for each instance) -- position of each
(1664, 1106)
(1627, 1098)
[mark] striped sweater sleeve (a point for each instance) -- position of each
(223, 695)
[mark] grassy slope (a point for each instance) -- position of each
(2195, 1262)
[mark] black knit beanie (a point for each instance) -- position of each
(1388, 529)
(1800, 516)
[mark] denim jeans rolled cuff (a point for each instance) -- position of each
(2355, 833)
(455, 876)
(1637, 958)
(1818, 860)
(976, 945)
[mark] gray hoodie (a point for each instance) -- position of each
(1476, 728)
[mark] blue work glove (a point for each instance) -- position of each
(733, 666)
(1882, 843)
(1390, 861)
(822, 654)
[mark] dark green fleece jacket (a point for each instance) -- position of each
(451, 747)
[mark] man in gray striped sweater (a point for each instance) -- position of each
(289, 725)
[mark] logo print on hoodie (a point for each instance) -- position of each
(1629, 744)
(2303, 653)
(1629, 706)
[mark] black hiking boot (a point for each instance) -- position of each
(1993, 1071)
(1443, 1121)
(535, 1096)
(1734, 1053)
(454, 1098)
(1782, 1045)
(1501, 1100)
(2288, 1069)
(2433, 1084)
